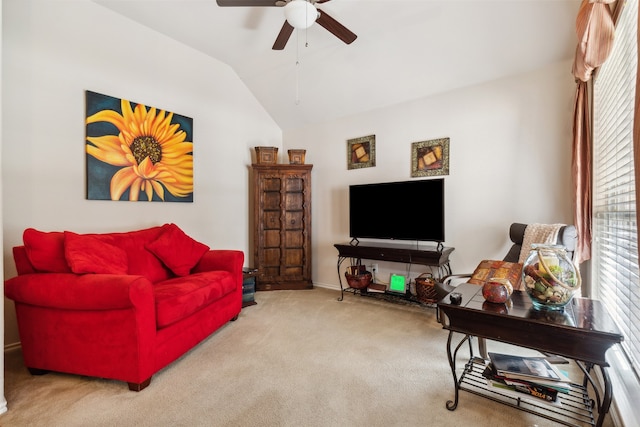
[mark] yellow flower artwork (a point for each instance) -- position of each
(137, 153)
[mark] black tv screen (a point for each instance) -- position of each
(408, 210)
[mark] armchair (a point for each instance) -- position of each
(567, 237)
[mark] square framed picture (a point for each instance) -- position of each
(135, 152)
(430, 158)
(361, 152)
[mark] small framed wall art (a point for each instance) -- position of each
(361, 152)
(430, 158)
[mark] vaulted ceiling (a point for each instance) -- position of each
(405, 50)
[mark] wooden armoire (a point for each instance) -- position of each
(282, 226)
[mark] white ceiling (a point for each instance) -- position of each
(405, 50)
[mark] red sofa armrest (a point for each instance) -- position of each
(81, 292)
(98, 325)
(224, 260)
(23, 266)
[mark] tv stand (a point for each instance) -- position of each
(434, 257)
(356, 242)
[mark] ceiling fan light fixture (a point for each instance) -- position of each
(300, 14)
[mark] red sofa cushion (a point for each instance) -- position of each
(89, 254)
(46, 250)
(141, 261)
(179, 252)
(173, 251)
(180, 297)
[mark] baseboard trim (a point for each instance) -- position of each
(326, 286)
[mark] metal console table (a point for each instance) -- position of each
(435, 258)
(583, 332)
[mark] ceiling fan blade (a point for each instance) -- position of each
(335, 28)
(283, 36)
(248, 3)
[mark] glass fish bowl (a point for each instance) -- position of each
(550, 278)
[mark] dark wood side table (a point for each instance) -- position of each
(583, 332)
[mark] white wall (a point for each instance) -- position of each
(3, 401)
(55, 50)
(510, 141)
(509, 162)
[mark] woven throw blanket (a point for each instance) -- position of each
(538, 233)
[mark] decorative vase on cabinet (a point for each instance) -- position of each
(282, 226)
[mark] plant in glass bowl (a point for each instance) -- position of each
(550, 278)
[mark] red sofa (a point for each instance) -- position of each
(119, 305)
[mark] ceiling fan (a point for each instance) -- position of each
(294, 7)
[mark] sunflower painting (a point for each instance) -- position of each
(137, 153)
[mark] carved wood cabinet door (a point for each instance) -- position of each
(282, 226)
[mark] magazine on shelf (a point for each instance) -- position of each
(552, 386)
(518, 389)
(523, 397)
(561, 386)
(512, 366)
(377, 288)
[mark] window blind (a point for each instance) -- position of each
(615, 232)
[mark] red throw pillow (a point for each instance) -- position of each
(89, 254)
(179, 252)
(45, 250)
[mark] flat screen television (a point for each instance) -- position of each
(407, 210)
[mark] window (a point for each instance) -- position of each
(615, 235)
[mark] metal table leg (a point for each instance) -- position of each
(340, 261)
(453, 404)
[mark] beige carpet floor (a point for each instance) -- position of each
(297, 358)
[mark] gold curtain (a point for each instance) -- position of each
(581, 170)
(595, 29)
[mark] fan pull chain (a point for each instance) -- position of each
(306, 33)
(306, 44)
(297, 68)
(297, 83)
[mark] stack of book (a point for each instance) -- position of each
(533, 376)
(248, 286)
(377, 287)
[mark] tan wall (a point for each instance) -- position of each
(510, 161)
(53, 52)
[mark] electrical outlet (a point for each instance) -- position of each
(374, 268)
